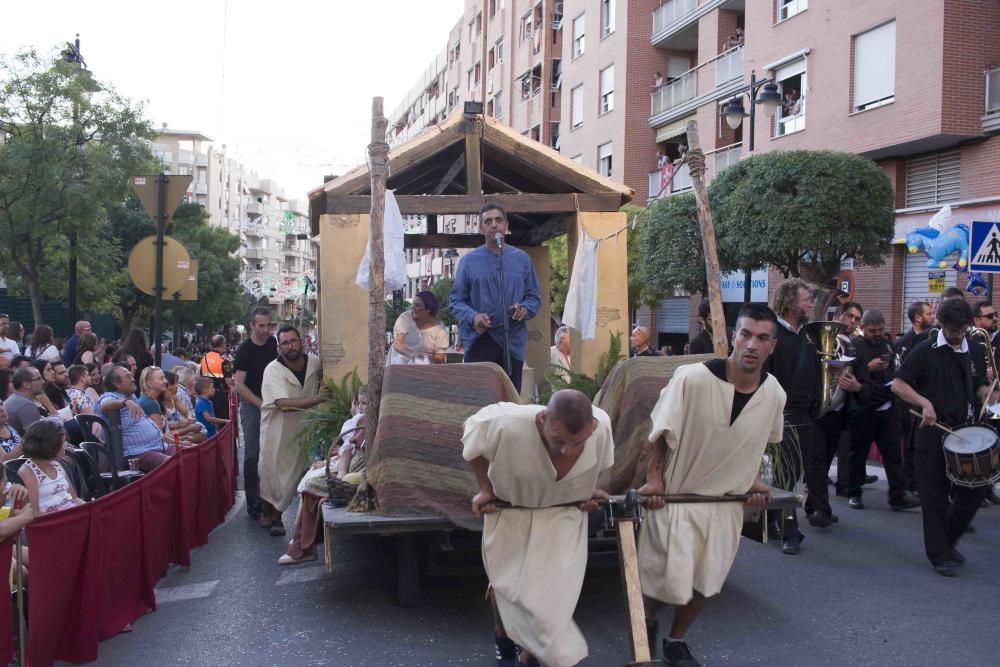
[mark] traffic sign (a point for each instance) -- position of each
(190, 290)
(145, 187)
(142, 265)
(984, 248)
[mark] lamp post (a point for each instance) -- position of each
(769, 99)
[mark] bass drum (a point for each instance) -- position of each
(972, 456)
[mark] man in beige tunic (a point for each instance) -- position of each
(291, 384)
(710, 427)
(544, 461)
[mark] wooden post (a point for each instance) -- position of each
(378, 159)
(712, 273)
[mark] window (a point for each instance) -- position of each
(471, 24)
(791, 116)
(479, 24)
(525, 31)
(789, 8)
(933, 179)
(536, 133)
(578, 36)
(525, 85)
(554, 132)
(498, 105)
(493, 8)
(536, 80)
(604, 159)
(491, 59)
(500, 51)
(477, 69)
(469, 78)
(875, 67)
(607, 17)
(607, 89)
(576, 107)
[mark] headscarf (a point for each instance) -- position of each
(430, 302)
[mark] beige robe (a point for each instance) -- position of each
(283, 461)
(535, 559)
(691, 547)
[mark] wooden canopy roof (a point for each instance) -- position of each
(454, 167)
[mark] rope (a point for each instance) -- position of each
(696, 162)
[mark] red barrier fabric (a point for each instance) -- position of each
(6, 610)
(94, 567)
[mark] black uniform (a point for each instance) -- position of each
(795, 365)
(907, 421)
(874, 420)
(945, 378)
(702, 343)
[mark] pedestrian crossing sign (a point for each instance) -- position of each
(985, 247)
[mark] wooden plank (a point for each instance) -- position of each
(473, 158)
(449, 175)
(443, 240)
(468, 204)
(629, 562)
(549, 229)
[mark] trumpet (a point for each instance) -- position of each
(987, 342)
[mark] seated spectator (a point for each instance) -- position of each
(16, 333)
(418, 335)
(94, 384)
(185, 386)
(49, 488)
(22, 410)
(86, 349)
(42, 400)
(55, 390)
(20, 361)
(313, 489)
(10, 439)
(141, 437)
(126, 360)
(9, 346)
(204, 411)
(80, 402)
(152, 388)
(6, 387)
(559, 359)
(42, 346)
(180, 418)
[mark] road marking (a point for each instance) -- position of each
(185, 592)
(300, 575)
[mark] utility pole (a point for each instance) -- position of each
(161, 225)
(378, 159)
(72, 55)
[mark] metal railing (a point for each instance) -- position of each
(671, 12)
(723, 157)
(723, 68)
(681, 183)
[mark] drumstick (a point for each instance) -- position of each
(940, 426)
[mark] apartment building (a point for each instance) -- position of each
(506, 54)
(277, 255)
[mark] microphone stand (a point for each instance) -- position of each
(506, 315)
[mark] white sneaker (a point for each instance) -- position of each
(286, 559)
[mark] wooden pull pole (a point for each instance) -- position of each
(629, 562)
(696, 161)
(378, 159)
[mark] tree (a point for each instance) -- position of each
(558, 273)
(803, 212)
(69, 144)
(442, 290)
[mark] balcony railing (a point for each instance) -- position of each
(671, 12)
(725, 157)
(722, 69)
(254, 253)
(201, 188)
(681, 183)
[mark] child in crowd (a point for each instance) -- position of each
(205, 389)
(49, 489)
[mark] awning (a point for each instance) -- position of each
(673, 130)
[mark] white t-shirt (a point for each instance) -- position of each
(9, 348)
(418, 341)
(48, 353)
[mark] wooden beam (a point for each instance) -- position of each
(467, 204)
(450, 175)
(549, 229)
(498, 183)
(473, 158)
(457, 240)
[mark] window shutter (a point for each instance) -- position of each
(875, 65)
(933, 179)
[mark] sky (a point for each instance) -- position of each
(287, 86)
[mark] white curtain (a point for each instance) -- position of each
(581, 298)
(395, 256)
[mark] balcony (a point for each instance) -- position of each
(713, 80)
(201, 160)
(201, 188)
(254, 253)
(723, 157)
(991, 120)
(675, 22)
(681, 183)
(255, 208)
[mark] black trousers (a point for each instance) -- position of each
(944, 520)
(883, 429)
(834, 432)
(487, 349)
(908, 424)
(798, 452)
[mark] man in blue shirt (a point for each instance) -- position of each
(141, 437)
(477, 302)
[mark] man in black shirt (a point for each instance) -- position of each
(872, 416)
(252, 356)
(795, 364)
(938, 378)
(702, 343)
(921, 316)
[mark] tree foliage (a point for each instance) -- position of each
(803, 212)
(558, 273)
(672, 256)
(69, 144)
(442, 290)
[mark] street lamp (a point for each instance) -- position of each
(768, 99)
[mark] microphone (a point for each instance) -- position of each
(498, 237)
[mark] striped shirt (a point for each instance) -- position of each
(139, 434)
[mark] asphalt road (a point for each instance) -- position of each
(860, 593)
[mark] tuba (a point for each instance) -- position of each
(984, 338)
(827, 338)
